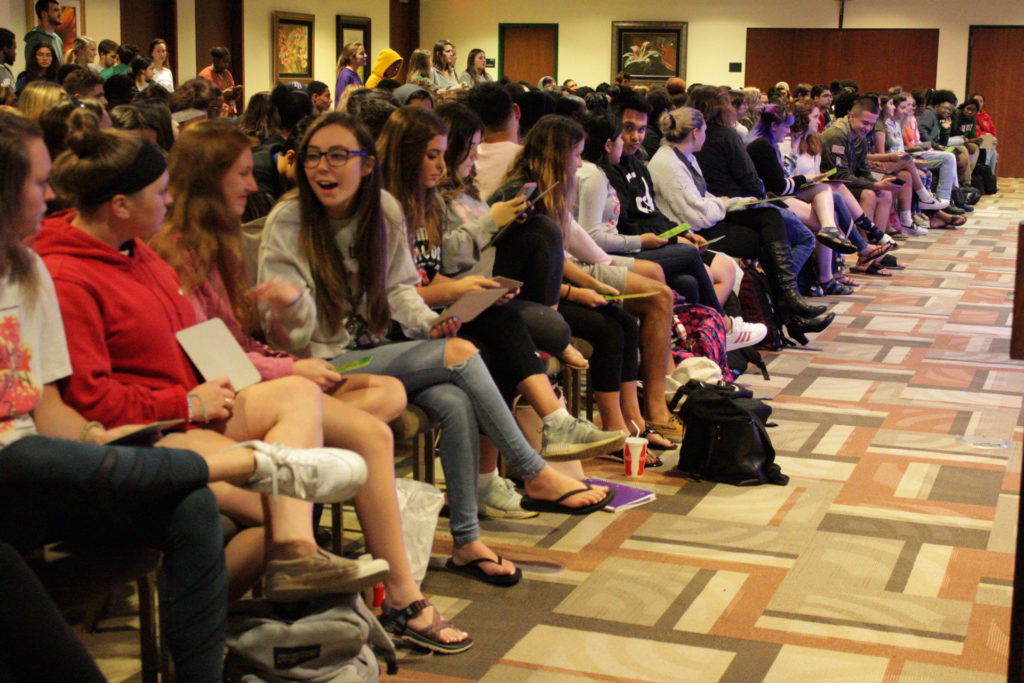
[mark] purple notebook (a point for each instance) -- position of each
(626, 496)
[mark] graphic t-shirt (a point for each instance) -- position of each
(33, 351)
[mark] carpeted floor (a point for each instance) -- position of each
(888, 557)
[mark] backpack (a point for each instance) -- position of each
(984, 180)
(726, 435)
(756, 305)
(698, 330)
(333, 639)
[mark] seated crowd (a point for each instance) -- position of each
(379, 207)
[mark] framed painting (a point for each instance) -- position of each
(72, 20)
(649, 51)
(354, 30)
(291, 36)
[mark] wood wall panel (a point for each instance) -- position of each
(404, 32)
(876, 59)
(219, 22)
(995, 72)
(528, 52)
(144, 20)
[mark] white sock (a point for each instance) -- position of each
(484, 479)
(556, 417)
(924, 195)
(906, 218)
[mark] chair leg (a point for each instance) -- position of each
(149, 629)
(336, 527)
(590, 399)
(430, 456)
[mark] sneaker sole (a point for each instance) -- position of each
(368, 574)
(582, 451)
(488, 512)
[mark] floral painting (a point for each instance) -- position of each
(649, 51)
(292, 38)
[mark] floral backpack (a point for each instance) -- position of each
(699, 330)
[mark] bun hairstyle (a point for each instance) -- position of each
(99, 165)
(64, 119)
(676, 125)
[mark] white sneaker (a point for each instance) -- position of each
(935, 204)
(319, 475)
(500, 500)
(744, 334)
(915, 230)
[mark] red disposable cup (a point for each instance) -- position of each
(634, 454)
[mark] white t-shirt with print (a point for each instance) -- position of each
(33, 351)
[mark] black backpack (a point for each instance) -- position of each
(756, 305)
(983, 180)
(726, 436)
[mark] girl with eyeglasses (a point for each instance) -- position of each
(343, 243)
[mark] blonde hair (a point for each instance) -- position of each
(38, 96)
(347, 54)
(676, 125)
(76, 47)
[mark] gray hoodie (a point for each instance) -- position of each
(297, 329)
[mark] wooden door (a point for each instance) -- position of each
(993, 69)
(528, 52)
(219, 23)
(144, 20)
(404, 30)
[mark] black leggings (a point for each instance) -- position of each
(531, 252)
(615, 336)
(505, 346)
(54, 489)
(685, 272)
(747, 232)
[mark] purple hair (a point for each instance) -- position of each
(773, 114)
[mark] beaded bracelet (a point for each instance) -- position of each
(85, 430)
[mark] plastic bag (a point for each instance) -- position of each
(419, 504)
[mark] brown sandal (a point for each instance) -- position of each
(396, 622)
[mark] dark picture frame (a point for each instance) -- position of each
(348, 29)
(649, 51)
(291, 40)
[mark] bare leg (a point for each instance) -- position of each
(378, 395)
(655, 313)
(723, 276)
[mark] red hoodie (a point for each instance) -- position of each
(120, 314)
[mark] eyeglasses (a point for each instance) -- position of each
(336, 156)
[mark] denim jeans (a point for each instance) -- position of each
(55, 489)
(801, 239)
(945, 163)
(844, 220)
(684, 272)
(464, 399)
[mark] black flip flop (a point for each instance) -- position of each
(472, 570)
(537, 505)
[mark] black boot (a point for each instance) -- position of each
(797, 327)
(777, 262)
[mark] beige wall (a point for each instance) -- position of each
(103, 20)
(257, 35)
(717, 30)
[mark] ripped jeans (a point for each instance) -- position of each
(466, 402)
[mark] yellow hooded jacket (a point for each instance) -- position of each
(385, 58)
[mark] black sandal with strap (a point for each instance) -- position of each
(396, 622)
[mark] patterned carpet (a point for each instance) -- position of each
(888, 557)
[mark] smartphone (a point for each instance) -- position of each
(527, 190)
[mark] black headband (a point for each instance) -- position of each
(147, 167)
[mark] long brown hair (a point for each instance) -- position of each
(403, 142)
(335, 297)
(15, 132)
(201, 233)
(463, 124)
(544, 159)
(807, 143)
